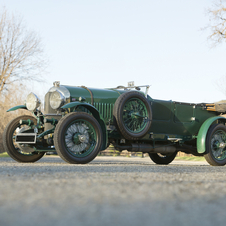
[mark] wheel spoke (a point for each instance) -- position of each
(218, 145)
(134, 114)
(79, 138)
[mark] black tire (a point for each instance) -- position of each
(162, 159)
(11, 148)
(78, 138)
(132, 115)
(216, 145)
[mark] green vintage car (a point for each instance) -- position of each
(79, 122)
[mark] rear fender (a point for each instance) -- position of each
(201, 139)
(95, 114)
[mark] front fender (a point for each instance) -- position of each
(17, 107)
(90, 107)
(201, 139)
(96, 115)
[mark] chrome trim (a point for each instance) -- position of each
(37, 101)
(63, 90)
(52, 115)
(53, 101)
(34, 135)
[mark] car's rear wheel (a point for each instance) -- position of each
(78, 138)
(15, 150)
(162, 159)
(132, 115)
(216, 145)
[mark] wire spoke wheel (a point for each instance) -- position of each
(216, 145)
(132, 115)
(78, 138)
(135, 115)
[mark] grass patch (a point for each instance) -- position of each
(193, 158)
(2, 155)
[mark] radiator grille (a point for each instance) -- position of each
(47, 107)
(105, 109)
(49, 110)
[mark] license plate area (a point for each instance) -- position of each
(26, 138)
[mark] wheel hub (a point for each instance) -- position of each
(135, 115)
(82, 138)
(77, 138)
(222, 145)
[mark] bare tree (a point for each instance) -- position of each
(217, 22)
(8, 100)
(217, 28)
(21, 53)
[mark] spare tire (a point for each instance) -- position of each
(132, 115)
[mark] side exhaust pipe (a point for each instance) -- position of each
(147, 148)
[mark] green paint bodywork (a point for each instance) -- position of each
(201, 139)
(170, 119)
(100, 95)
(17, 107)
(173, 123)
(175, 118)
(75, 104)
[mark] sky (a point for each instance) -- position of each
(106, 43)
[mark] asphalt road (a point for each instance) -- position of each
(111, 191)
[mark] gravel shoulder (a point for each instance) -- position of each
(111, 191)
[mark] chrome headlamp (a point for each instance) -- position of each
(32, 102)
(57, 99)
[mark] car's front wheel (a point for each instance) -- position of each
(78, 138)
(15, 150)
